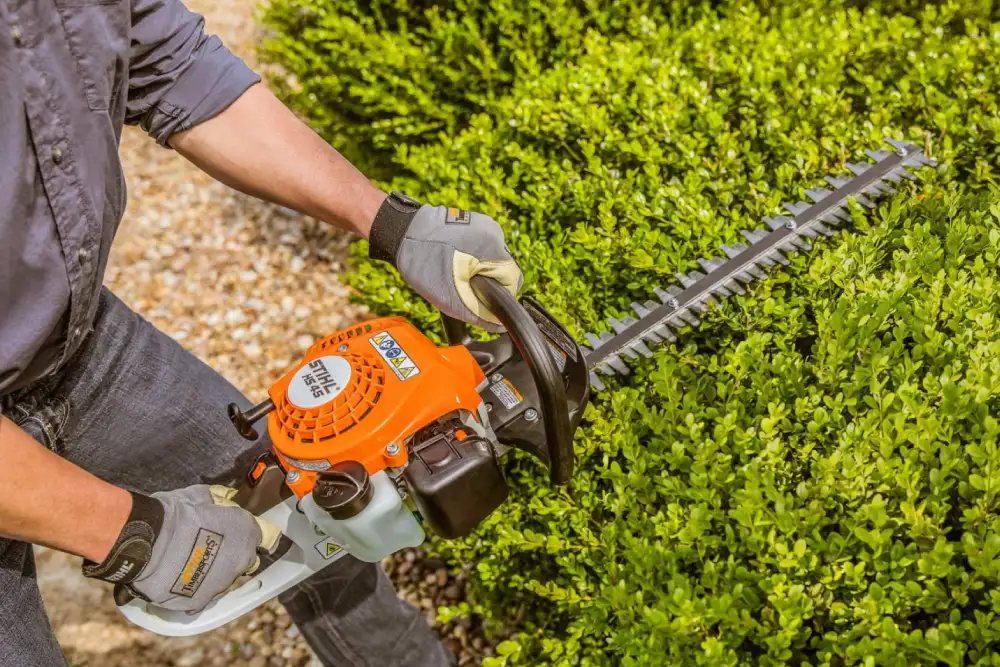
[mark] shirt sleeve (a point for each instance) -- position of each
(178, 75)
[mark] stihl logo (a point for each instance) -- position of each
(124, 569)
(320, 382)
(206, 548)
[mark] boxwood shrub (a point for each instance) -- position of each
(813, 476)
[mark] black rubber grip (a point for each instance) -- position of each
(530, 342)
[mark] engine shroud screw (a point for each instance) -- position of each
(392, 449)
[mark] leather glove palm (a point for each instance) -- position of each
(180, 549)
(437, 250)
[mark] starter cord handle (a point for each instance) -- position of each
(531, 344)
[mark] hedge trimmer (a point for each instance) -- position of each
(378, 434)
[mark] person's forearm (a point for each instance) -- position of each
(47, 500)
(259, 147)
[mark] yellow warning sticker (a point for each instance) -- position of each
(397, 359)
(328, 548)
(508, 395)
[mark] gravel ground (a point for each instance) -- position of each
(246, 288)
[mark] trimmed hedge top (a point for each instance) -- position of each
(810, 478)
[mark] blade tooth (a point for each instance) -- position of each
(807, 232)
(755, 235)
(858, 168)
(674, 290)
(642, 349)
(758, 272)
(664, 332)
(864, 201)
(904, 146)
(797, 207)
(733, 286)
(822, 229)
(606, 368)
(593, 340)
(650, 305)
(595, 381)
(919, 160)
(837, 181)
(873, 191)
(640, 309)
(652, 337)
(793, 244)
(711, 264)
(765, 262)
(901, 173)
(628, 320)
(831, 219)
(689, 318)
(734, 250)
(691, 278)
(661, 294)
(744, 277)
(818, 194)
(616, 325)
(776, 222)
(629, 353)
(879, 155)
(885, 188)
(722, 291)
(704, 304)
(775, 257)
(617, 364)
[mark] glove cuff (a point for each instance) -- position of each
(390, 225)
(133, 549)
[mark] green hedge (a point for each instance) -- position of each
(812, 477)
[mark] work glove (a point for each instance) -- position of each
(180, 549)
(437, 250)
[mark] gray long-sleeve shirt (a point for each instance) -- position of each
(72, 73)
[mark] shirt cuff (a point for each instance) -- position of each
(214, 80)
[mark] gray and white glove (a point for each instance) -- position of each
(437, 250)
(180, 549)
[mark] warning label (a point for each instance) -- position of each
(557, 355)
(328, 548)
(399, 362)
(506, 392)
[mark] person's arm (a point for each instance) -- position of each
(259, 147)
(193, 95)
(47, 500)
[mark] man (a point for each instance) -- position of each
(114, 441)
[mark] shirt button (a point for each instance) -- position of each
(84, 254)
(76, 333)
(57, 154)
(15, 32)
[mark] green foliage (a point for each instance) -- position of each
(814, 476)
